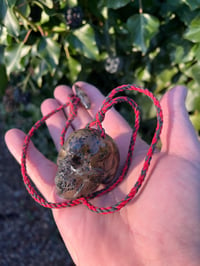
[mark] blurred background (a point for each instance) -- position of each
(153, 44)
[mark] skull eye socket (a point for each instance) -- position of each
(76, 160)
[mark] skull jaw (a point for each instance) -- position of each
(71, 188)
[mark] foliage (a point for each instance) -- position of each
(154, 44)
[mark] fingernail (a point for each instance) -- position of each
(85, 101)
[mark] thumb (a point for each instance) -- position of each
(178, 135)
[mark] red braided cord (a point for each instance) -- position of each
(107, 104)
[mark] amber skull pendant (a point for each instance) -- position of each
(85, 161)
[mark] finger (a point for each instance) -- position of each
(97, 98)
(178, 135)
(41, 170)
(62, 93)
(56, 122)
(114, 124)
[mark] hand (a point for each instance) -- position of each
(161, 225)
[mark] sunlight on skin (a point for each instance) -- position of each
(160, 226)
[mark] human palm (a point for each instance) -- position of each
(161, 225)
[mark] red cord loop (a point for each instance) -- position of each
(109, 101)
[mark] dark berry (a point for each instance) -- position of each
(17, 95)
(21, 97)
(25, 99)
(74, 17)
(113, 64)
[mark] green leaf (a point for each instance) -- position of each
(40, 69)
(196, 50)
(11, 3)
(197, 103)
(49, 50)
(2, 48)
(193, 4)
(83, 40)
(42, 3)
(193, 72)
(193, 32)
(163, 80)
(192, 94)
(74, 68)
(4, 37)
(142, 28)
(195, 119)
(44, 17)
(4, 79)
(72, 3)
(23, 7)
(3, 10)
(185, 15)
(181, 51)
(142, 74)
(115, 4)
(11, 23)
(14, 55)
(48, 3)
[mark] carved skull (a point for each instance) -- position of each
(85, 161)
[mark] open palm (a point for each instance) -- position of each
(161, 225)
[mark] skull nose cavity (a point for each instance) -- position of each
(76, 161)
